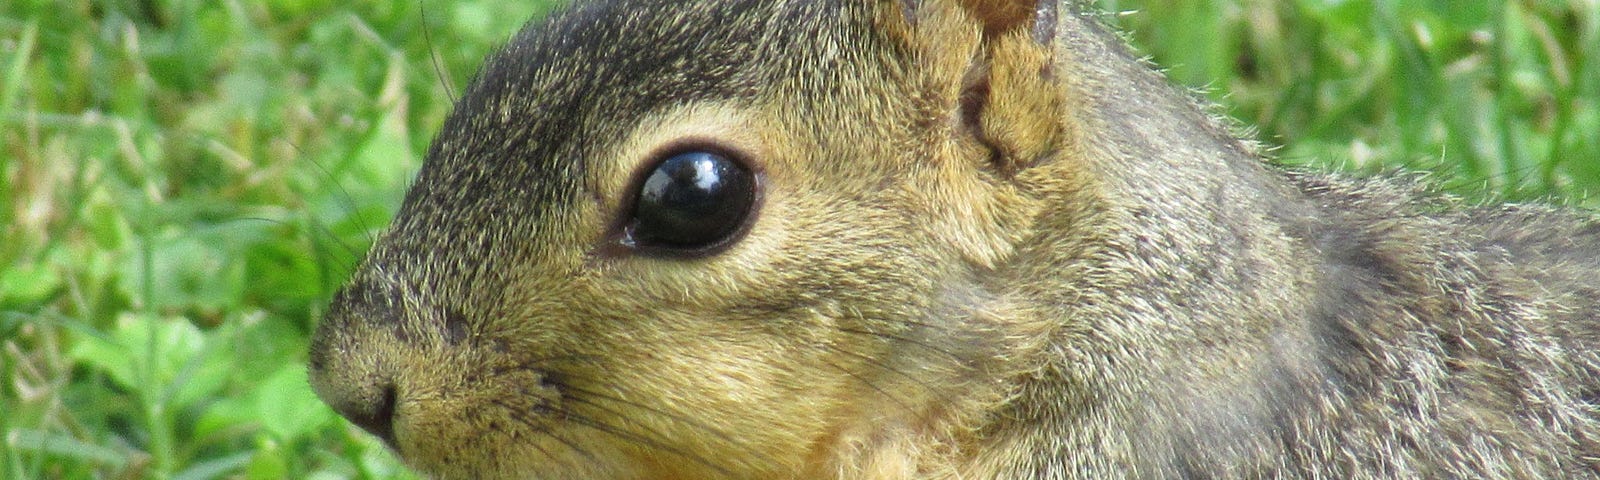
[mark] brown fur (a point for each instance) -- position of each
(991, 244)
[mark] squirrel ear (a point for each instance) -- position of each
(1000, 16)
(991, 65)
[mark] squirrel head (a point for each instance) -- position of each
(743, 239)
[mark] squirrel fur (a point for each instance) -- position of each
(990, 243)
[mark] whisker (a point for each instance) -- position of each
(433, 53)
(318, 230)
(885, 367)
(537, 363)
(646, 441)
(611, 411)
(864, 381)
(940, 396)
(669, 415)
(533, 425)
(658, 432)
(348, 268)
(571, 445)
(344, 194)
(898, 338)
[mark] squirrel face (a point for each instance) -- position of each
(658, 239)
(934, 239)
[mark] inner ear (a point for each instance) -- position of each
(1001, 16)
(988, 63)
(1009, 101)
(997, 17)
(970, 109)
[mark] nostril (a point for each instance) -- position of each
(377, 417)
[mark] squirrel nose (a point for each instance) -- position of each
(348, 368)
(366, 395)
(372, 410)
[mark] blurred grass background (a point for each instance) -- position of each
(185, 182)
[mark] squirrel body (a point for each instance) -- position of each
(982, 240)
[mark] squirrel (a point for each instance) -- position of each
(975, 239)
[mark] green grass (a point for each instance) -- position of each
(1501, 99)
(186, 182)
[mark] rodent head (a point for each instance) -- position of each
(695, 239)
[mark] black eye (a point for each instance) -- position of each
(693, 201)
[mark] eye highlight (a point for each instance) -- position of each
(693, 202)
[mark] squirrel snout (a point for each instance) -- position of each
(358, 393)
(370, 408)
(347, 368)
(381, 357)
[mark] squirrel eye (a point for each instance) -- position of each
(692, 202)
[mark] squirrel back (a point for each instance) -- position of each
(935, 239)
